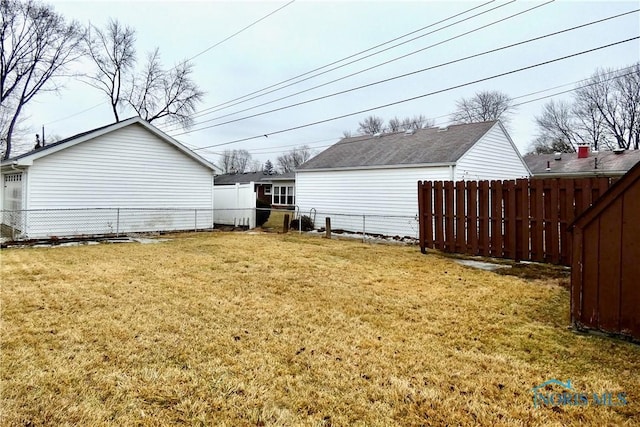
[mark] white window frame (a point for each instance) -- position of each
(267, 190)
(289, 191)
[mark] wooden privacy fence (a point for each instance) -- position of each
(523, 219)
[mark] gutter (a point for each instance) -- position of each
(351, 168)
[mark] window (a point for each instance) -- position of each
(283, 195)
(267, 190)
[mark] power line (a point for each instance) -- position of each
(365, 70)
(614, 74)
(239, 31)
(189, 59)
(202, 112)
(425, 95)
(74, 114)
(411, 73)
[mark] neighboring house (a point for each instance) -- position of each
(127, 176)
(275, 189)
(378, 175)
(582, 164)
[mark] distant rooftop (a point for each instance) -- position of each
(246, 177)
(607, 163)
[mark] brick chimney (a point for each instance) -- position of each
(583, 151)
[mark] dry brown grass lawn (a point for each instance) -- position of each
(244, 329)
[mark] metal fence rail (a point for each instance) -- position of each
(87, 222)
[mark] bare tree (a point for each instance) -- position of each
(556, 126)
(617, 100)
(394, 125)
(604, 113)
(371, 125)
(483, 106)
(113, 52)
(227, 161)
(243, 161)
(37, 46)
(288, 162)
(235, 161)
(160, 94)
(416, 122)
(346, 134)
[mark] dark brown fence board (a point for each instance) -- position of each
(577, 274)
(438, 214)
(472, 217)
(497, 233)
(428, 202)
(519, 219)
(555, 223)
(608, 258)
(587, 195)
(537, 227)
(589, 295)
(567, 215)
(422, 214)
(449, 214)
(523, 236)
(483, 216)
(511, 216)
(461, 238)
(630, 259)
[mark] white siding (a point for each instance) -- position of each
(127, 168)
(346, 195)
(493, 157)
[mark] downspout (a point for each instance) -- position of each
(213, 202)
(451, 176)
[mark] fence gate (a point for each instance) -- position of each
(12, 201)
(523, 219)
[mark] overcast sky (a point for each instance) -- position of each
(309, 34)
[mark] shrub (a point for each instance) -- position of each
(307, 224)
(262, 214)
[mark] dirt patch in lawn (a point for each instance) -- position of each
(266, 329)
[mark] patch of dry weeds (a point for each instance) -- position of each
(236, 329)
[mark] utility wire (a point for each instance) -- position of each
(410, 73)
(74, 114)
(189, 59)
(368, 69)
(517, 70)
(578, 84)
(232, 101)
(239, 31)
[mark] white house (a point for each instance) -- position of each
(127, 176)
(370, 182)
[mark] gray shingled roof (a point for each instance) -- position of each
(608, 163)
(425, 146)
(245, 178)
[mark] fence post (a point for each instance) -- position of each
(327, 228)
(118, 222)
(195, 220)
(285, 224)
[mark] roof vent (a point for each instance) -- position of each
(619, 150)
(409, 131)
(557, 155)
(443, 128)
(377, 134)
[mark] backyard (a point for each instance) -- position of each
(258, 329)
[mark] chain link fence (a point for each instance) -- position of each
(89, 222)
